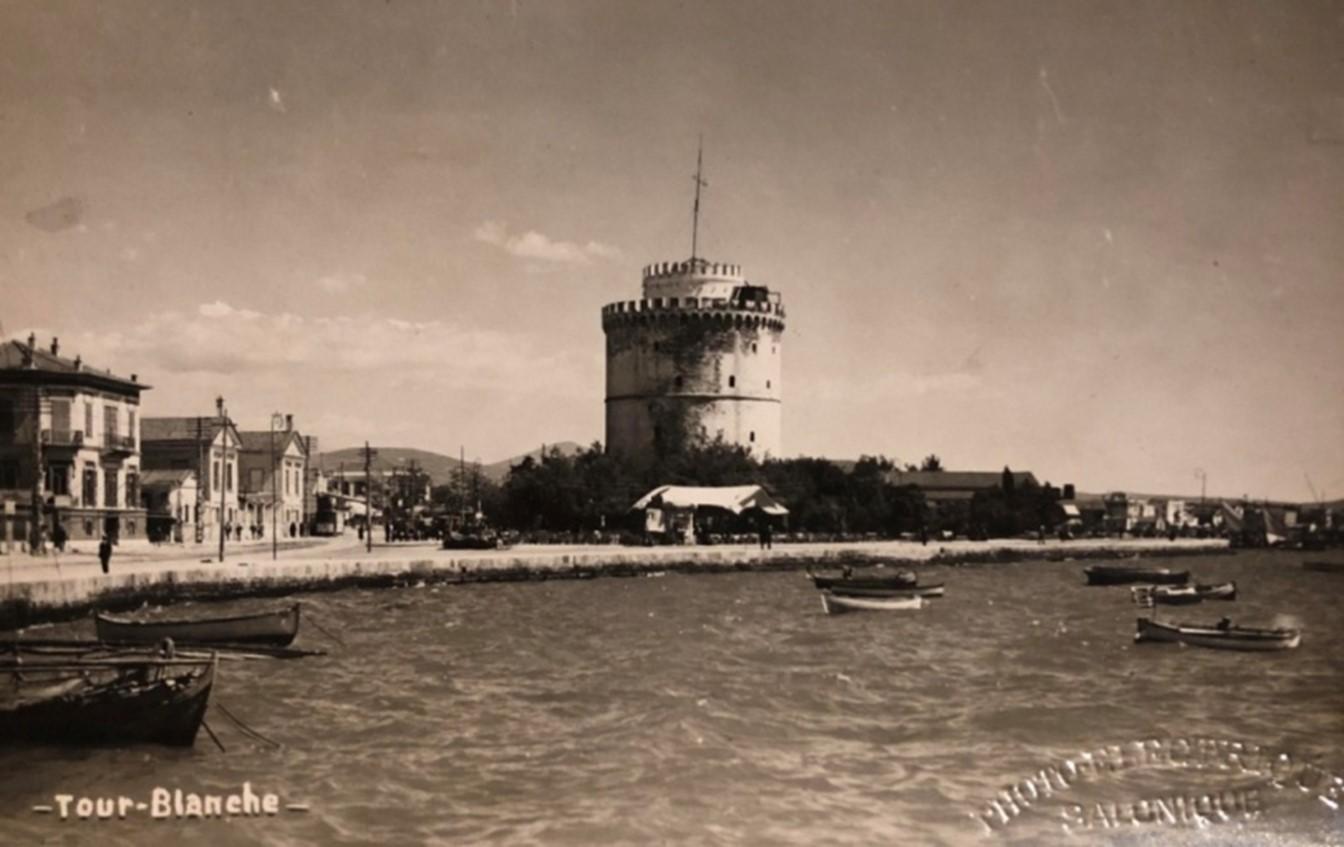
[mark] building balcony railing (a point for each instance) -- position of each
(62, 437)
(118, 443)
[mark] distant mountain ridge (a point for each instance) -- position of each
(440, 468)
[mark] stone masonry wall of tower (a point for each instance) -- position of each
(697, 358)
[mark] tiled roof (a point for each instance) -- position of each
(259, 441)
(15, 355)
(178, 429)
(164, 478)
(962, 480)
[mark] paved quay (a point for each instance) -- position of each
(70, 585)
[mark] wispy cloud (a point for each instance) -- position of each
(535, 245)
(219, 338)
(341, 283)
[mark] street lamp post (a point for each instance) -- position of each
(276, 420)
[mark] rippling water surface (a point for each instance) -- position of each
(727, 709)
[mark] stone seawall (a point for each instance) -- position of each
(73, 596)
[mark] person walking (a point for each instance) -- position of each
(105, 552)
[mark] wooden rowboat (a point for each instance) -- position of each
(276, 628)
(1126, 574)
(1175, 595)
(897, 579)
(834, 604)
(103, 697)
(1219, 637)
(1324, 566)
(931, 590)
(1220, 591)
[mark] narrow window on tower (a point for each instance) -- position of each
(732, 382)
(751, 436)
(767, 383)
(753, 346)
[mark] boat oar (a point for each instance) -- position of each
(322, 629)
(213, 737)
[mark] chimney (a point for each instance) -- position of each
(55, 345)
(78, 361)
(135, 378)
(289, 423)
(32, 341)
(219, 406)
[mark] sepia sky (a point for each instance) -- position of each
(1100, 241)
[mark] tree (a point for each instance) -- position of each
(932, 463)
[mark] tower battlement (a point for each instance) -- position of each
(762, 313)
(694, 267)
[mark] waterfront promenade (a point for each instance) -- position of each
(55, 587)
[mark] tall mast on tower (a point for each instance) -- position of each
(695, 215)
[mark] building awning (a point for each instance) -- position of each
(732, 498)
(1071, 510)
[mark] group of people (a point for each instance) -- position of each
(255, 531)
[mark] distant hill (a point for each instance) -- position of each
(439, 467)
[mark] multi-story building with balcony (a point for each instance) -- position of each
(69, 446)
(210, 447)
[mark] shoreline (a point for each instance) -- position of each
(79, 588)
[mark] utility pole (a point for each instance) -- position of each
(275, 496)
(223, 467)
(368, 496)
(200, 482)
(35, 545)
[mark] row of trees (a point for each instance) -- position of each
(591, 490)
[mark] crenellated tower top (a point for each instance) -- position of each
(692, 278)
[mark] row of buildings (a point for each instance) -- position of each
(1129, 513)
(77, 453)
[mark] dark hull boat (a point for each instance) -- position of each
(274, 628)
(471, 541)
(897, 579)
(931, 590)
(62, 697)
(1128, 574)
(1324, 566)
(1218, 637)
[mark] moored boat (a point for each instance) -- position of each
(1218, 591)
(1221, 636)
(1127, 574)
(277, 628)
(1175, 595)
(103, 697)
(1323, 566)
(834, 604)
(934, 589)
(896, 579)
(487, 540)
(1171, 595)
